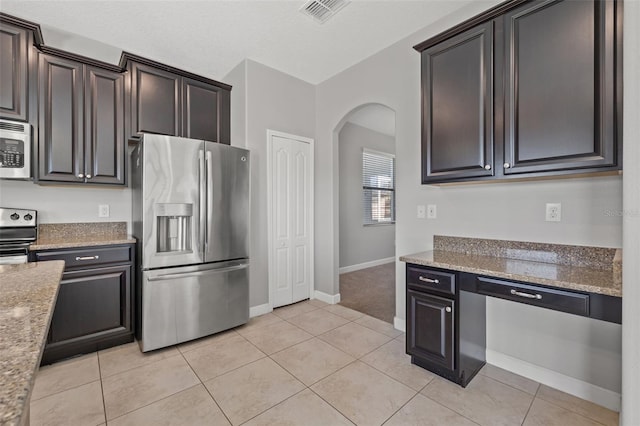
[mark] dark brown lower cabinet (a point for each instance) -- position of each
(431, 334)
(445, 326)
(94, 306)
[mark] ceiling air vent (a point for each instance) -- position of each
(322, 10)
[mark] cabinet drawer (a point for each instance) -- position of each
(87, 256)
(428, 279)
(558, 300)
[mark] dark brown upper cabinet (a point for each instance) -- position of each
(560, 87)
(169, 101)
(14, 44)
(457, 95)
(81, 122)
(526, 89)
(17, 38)
(155, 101)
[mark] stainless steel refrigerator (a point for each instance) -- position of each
(191, 219)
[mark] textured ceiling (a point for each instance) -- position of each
(211, 37)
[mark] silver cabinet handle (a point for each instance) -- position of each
(487, 167)
(527, 295)
(87, 257)
(448, 309)
(507, 165)
(80, 175)
(88, 176)
(428, 280)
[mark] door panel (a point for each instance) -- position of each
(155, 101)
(458, 106)
(171, 200)
(291, 178)
(13, 72)
(201, 106)
(61, 134)
(556, 117)
(92, 302)
(300, 206)
(181, 304)
(105, 147)
(227, 202)
(430, 330)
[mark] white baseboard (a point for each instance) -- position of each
(570, 385)
(326, 298)
(399, 324)
(255, 311)
(365, 265)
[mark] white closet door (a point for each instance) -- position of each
(291, 203)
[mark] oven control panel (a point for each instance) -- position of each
(11, 153)
(17, 217)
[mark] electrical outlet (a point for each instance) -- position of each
(432, 213)
(421, 212)
(554, 212)
(103, 210)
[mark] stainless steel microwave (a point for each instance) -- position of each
(15, 150)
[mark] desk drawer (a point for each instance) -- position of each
(87, 256)
(429, 279)
(558, 300)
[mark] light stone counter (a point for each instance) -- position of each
(589, 269)
(27, 298)
(69, 235)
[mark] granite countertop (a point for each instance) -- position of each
(589, 269)
(27, 297)
(68, 235)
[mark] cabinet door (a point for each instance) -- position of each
(104, 126)
(457, 96)
(155, 101)
(559, 100)
(91, 304)
(430, 328)
(60, 120)
(13, 72)
(205, 112)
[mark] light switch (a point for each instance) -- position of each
(432, 213)
(421, 212)
(103, 210)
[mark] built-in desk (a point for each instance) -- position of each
(446, 292)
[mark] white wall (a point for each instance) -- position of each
(59, 204)
(359, 243)
(273, 100)
(631, 222)
(513, 210)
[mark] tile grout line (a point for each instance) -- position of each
(573, 411)
(104, 405)
(444, 406)
(400, 408)
(206, 388)
(274, 406)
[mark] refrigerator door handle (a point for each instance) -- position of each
(197, 273)
(202, 195)
(209, 198)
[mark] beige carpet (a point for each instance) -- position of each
(371, 291)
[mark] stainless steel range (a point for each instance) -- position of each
(18, 229)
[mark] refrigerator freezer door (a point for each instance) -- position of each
(227, 202)
(181, 304)
(172, 189)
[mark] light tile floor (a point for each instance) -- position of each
(304, 364)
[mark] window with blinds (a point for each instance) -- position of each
(378, 187)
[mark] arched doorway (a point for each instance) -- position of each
(366, 210)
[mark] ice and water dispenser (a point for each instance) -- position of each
(174, 222)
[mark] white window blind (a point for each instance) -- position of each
(378, 187)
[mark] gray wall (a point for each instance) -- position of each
(359, 243)
(276, 101)
(513, 210)
(631, 221)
